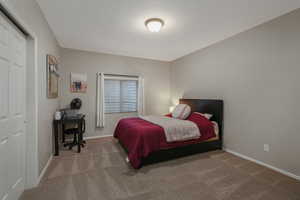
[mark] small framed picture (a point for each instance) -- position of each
(78, 82)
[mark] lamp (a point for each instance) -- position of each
(154, 24)
(171, 108)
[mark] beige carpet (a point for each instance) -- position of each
(100, 172)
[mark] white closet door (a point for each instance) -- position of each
(12, 110)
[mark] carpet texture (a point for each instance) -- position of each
(101, 173)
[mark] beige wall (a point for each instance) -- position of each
(155, 73)
(257, 74)
(31, 14)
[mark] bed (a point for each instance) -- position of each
(145, 142)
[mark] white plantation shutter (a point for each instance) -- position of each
(120, 95)
(129, 95)
(112, 96)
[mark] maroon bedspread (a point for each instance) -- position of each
(141, 138)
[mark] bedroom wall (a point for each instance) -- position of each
(31, 14)
(155, 73)
(256, 73)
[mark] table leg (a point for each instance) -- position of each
(56, 145)
(79, 137)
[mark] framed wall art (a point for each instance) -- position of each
(78, 82)
(52, 77)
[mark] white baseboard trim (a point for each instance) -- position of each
(96, 137)
(263, 164)
(44, 170)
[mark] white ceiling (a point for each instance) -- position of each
(117, 26)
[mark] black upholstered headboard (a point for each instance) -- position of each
(211, 106)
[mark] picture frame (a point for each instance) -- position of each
(52, 77)
(78, 82)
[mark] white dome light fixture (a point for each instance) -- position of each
(154, 24)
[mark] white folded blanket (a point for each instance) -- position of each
(175, 129)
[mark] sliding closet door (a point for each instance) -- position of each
(12, 110)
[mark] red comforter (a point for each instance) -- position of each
(141, 137)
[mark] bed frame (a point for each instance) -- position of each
(214, 107)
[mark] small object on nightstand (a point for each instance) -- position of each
(57, 115)
(171, 109)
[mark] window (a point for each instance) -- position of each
(120, 95)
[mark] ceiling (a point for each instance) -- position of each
(117, 26)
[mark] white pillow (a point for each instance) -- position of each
(181, 111)
(206, 115)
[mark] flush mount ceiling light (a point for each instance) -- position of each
(154, 24)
